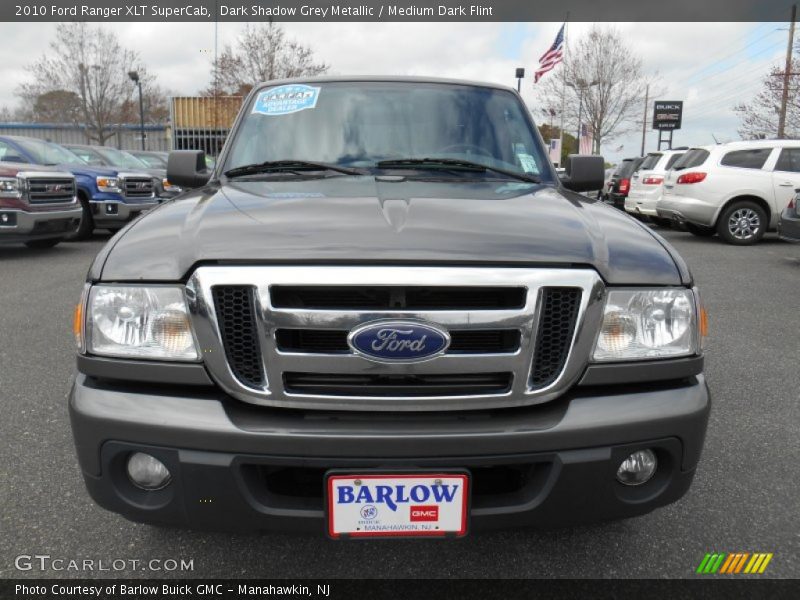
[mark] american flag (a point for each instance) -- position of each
(586, 141)
(552, 57)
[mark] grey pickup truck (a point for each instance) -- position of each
(383, 314)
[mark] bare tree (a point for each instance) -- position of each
(90, 63)
(759, 117)
(155, 101)
(261, 53)
(602, 77)
(57, 106)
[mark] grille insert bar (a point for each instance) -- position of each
(396, 385)
(401, 297)
(333, 341)
(235, 310)
(559, 315)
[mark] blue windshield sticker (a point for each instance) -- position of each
(286, 99)
(527, 162)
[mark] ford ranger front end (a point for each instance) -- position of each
(383, 314)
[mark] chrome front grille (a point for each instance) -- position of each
(49, 188)
(138, 188)
(277, 336)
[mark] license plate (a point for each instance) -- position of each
(397, 505)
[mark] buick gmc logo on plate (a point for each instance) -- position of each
(399, 341)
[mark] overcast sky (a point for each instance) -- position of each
(711, 66)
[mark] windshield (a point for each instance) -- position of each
(119, 158)
(45, 153)
(152, 160)
(358, 124)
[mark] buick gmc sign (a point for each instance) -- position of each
(667, 114)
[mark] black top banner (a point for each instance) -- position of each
(399, 11)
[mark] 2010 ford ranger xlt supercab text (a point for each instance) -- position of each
(383, 314)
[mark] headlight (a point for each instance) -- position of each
(108, 184)
(647, 324)
(139, 322)
(168, 187)
(10, 187)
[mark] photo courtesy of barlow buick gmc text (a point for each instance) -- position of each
(425, 300)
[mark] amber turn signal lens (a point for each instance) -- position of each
(77, 324)
(703, 322)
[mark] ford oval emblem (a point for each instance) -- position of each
(398, 341)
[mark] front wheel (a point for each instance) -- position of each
(700, 230)
(41, 244)
(86, 227)
(742, 223)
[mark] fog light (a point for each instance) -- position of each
(638, 468)
(111, 209)
(147, 472)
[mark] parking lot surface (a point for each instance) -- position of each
(744, 498)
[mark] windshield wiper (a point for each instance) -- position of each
(454, 164)
(278, 166)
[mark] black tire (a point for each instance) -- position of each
(700, 230)
(41, 244)
(86, 227)
(742, 223)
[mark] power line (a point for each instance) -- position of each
(731, 55)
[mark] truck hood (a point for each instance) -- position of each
(88, 171)
(380, 220)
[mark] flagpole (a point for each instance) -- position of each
(563, 93)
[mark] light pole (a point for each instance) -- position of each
(520, 74)
(135, 79)
(580, 86)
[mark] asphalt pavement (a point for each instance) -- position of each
(745, 497)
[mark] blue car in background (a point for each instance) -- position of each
(109, 197)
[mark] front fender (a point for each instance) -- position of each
(88, 185)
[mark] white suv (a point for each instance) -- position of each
(736, 190)
(647, 184)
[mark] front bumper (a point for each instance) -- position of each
(683, 209)
(242, 467)
(789, 226)
(23, 226)
(115, 214)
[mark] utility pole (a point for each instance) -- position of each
(644, 117)
(786, 77)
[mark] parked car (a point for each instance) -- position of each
(647, 184)
(736, 190)
(789, 222)
(406, 329)
(602, 194)
(111, 157)
(620, 183)
(109, 197)
(38, 206)
(152, 158)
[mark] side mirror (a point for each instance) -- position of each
(187, 168)
(584, 173)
